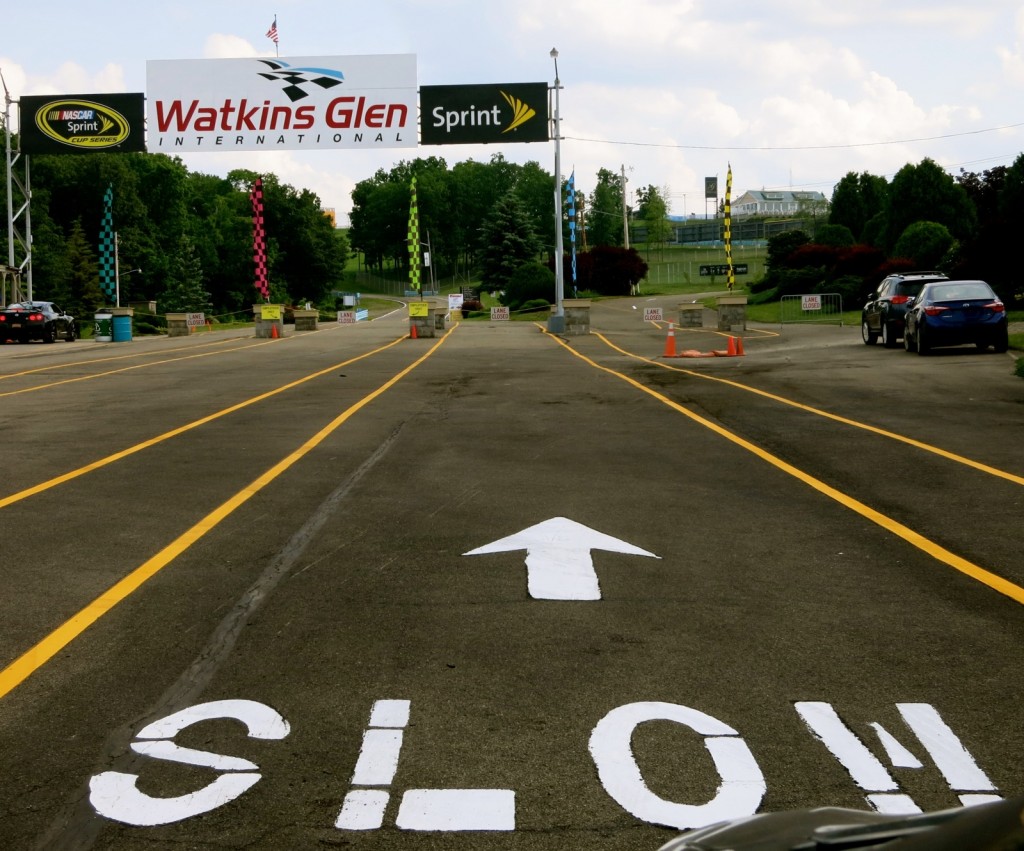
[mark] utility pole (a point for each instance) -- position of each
(625, 218)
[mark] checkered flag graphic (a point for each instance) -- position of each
(259, 240)
(107, 250)
(730, 276)
(415, 271)
(295, 78)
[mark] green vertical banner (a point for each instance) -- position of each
(731, 276)
(107, 250)
(415, 266)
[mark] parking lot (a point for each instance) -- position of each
(501, 589)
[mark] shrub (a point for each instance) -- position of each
(534, 305)
(849, 288)
(529, 282)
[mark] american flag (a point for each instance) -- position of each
(272, 32)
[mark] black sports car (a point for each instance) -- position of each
(36, 320)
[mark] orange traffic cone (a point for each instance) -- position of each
(273, 332)
(670, 342)
(731, 350)
(412, 332)
(739, 346)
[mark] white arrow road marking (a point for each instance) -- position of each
(558, 562)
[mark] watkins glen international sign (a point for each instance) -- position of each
(303, 103)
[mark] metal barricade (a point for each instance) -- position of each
(823, 307)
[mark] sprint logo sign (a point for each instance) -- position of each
(466, 115)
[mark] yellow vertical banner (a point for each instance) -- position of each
(730, 275)
(415, 267)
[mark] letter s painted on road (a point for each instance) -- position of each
(114, 794)
(739, 794)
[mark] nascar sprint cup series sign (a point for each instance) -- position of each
(79, 124)
(305, 103)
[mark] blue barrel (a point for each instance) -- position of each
(122, 329)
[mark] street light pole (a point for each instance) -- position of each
(556, 323)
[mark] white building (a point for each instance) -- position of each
(775, 202)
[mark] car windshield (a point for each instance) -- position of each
(909, 287)
(24, 305)
(960, 291)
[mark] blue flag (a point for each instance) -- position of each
(570, 193)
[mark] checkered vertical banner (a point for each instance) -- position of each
(415, 267)
(108, 251)
(259, 240)
(730, 275)
(570, 199)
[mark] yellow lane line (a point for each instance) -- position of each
(127, 369)
(917, 444)
(31, 661)
(91, 361)
(997, 583)
(153, 441)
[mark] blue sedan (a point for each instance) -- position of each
(952, 313)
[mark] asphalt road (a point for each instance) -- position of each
(499, 589)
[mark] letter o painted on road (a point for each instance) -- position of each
(742, 786)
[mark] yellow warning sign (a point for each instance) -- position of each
(419, 308)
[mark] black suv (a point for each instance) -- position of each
(883, 315)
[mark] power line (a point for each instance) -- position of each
(795, 147)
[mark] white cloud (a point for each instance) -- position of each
(221, 46)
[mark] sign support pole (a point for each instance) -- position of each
(556, 323)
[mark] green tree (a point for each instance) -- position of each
(473, 195)
(84, 291)
(856, 199)
(926, 243)
(185, 292)
(991, 255)
(835, 235)
(604, 212)
(927, 193)
(535, 188)
(652, 210)
(508, 242)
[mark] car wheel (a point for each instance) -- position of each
(49, 334)
(72, 334)
(922, 342)
(908, 341)
(1002, 341)
(888, 337)
(866, 334)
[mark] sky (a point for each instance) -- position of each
(793, 94)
